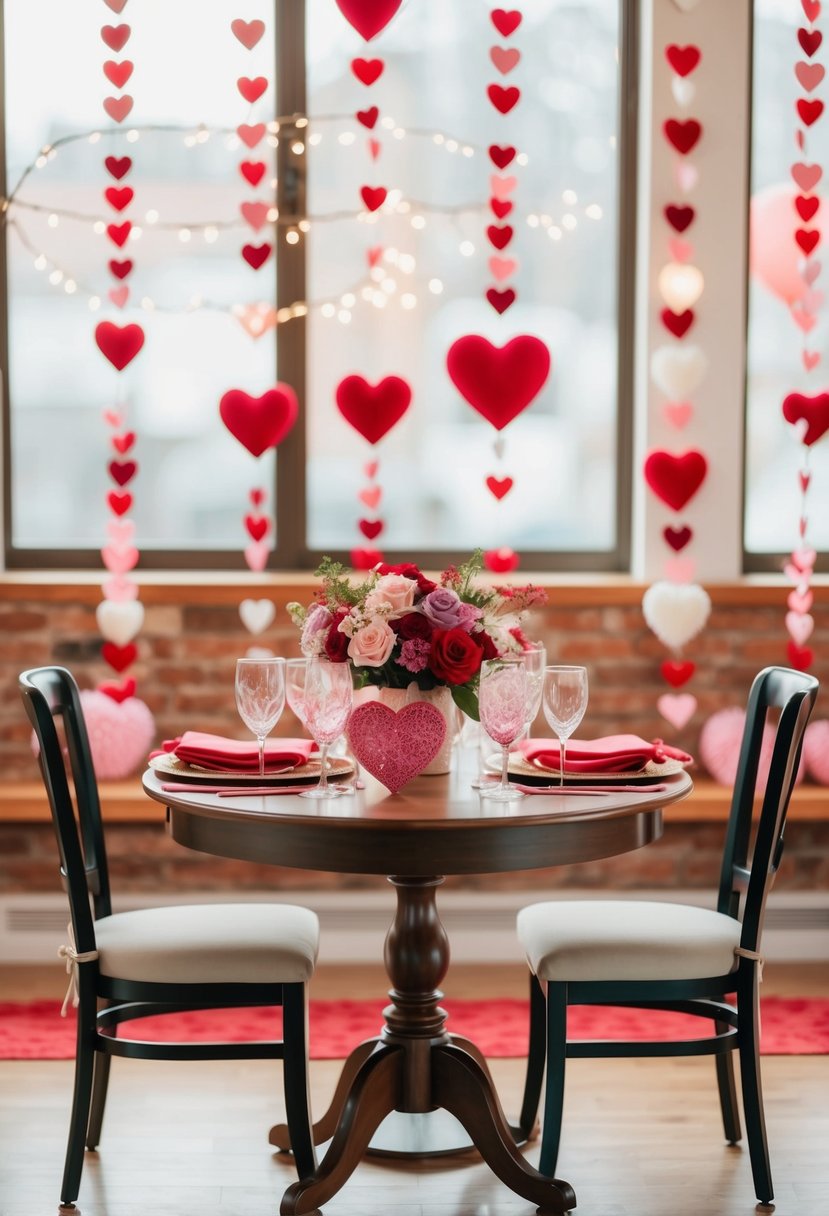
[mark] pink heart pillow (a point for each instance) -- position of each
(719, 747)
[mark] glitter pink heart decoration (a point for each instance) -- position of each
(395, 747)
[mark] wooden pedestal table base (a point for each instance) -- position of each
(416, 1067)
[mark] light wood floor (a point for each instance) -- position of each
(642, 1138)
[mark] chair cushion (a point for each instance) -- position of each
(209, 944)
(626, 940)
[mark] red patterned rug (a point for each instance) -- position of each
(36, 1031)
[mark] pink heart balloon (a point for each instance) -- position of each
(118, 560)
(678, 413)
(395, 747)
(120, 590)
(502, 268)
(256, 555)
(501, 187)
(800, 627)
(677, 708)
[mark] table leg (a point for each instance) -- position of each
(324, 1128)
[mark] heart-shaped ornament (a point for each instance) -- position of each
(119, 658)
(248, 32)
(675, 479)
(814, 411)
(251, 133)
(120, 589)
(370, 496)
(257, 526)
(686, 176)
(256, 555)
(800, 600)
(504, 99)
(499, 487)
(365, 559)
(370, 528)
(504, 59)
(680, 569)
(501, 299)
(501, 187)
(367, 71)
(121, 531)
(120, 728)
(373, 409)
(677, 673)
(257, 615)
(262, 422)
(800, 627)
(368, 17)
(680, 285)
(396, 747)
(800, 657)
(499, 382)
(502, 268)
(257, 255)
(678, 413)
(119, 504)
(119, 622)
(255, 214)
(682, 134)
(677, 538)
(677, 708)
(119, 344)
(119, 560)
(256, 319)
(118, 692)
(676, 612)
(684, 91)
(501, 561)
(678, 371)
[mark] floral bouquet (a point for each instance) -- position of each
(398, 626)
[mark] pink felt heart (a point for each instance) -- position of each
(809, 75)
(120, 531)
(719, 746)
(119, 295)
(805, 480)
(677, 708)
(804, 559)
(255, 214)
(256, 319)
(370, 496)
(120, 590)
(373, 255)
(811, 270)
(800, 600)
(256, 555)
(248, 32)
(805, 321)
(680, 569)
(502, 268)
(500, 187)
(113, 418)
(806, 176)
(802, 525)
(117, 6)
(678, 413)
(800, 627)
(395, 747)
(504, 58)
(795, 575)
(680, 251)
(119, 561)
(811, 358)
(370, 468)
(118, 107)
(374, 147)
(687, 176)
(251, 134)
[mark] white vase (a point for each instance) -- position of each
(441, 698)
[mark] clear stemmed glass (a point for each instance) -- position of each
(503, 695)
(565, 700)
(535, 661)
(326, 706)
(260, 698)
(295, 670)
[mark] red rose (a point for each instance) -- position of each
(412, 625)
(336, 643)
(409, 570)
(455, 656)
(486, 644)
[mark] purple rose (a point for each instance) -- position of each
(443, 607)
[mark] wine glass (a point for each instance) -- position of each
(535, 661)
(295, 671)
(503, 696)
(326, 705)
(565, 700)
(260, 698)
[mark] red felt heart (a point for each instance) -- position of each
(500, 207)
(682, 135)
(368, 117)
(504, 99)
(373, 196)
(115, 36)
(683, 59)
(123, 443)
(252, 171)
(809, 40)
(498, 382)
(257, 497)
(119, 197)
(806, 206)
(118, 6)
(499, 487)
(119, 504)
(499, 235)
(677, 538)
(257, 526)
(367, 70)
(119, 657)
(812, 9)
(368, 17)
(119, 233)
(120, 269)
(373, 409)
(506, 21)
(815, 410)
(677, 672)
(800, 657)
(252, 88)
(677, 323)
(501, 156)
(365, 559)
(119, 692)
(119, 344)
(118, 166)
(247, 32)
(675, 479)
(395, 747)
(679, 218)
(370, 528)
(807, 239)
(500, 300)
(262, 422)
(501, 561)
(809, 110)
(256, 255)
(122, 471)
(118, 73)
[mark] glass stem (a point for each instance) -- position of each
(504, 766)
(562, 756)
(324, 766)
(260, 739)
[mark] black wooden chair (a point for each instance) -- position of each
(158, 960)
(663, 956)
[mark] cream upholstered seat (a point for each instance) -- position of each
(616, 939)
(209, 943)
(672, 957)
(159, 960)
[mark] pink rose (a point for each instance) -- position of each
(394, 590)
(372, 645)
(317, 623)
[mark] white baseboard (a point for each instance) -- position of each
(480, 924)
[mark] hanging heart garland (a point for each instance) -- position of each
(504, 99)
(675, 479)
(373, 409)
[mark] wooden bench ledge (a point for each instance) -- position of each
(126, 802)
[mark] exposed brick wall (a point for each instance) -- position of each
(192, 637)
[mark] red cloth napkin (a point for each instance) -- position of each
(216, 752)
(611, 754)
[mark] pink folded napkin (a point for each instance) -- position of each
(611, 754)
(242, 756)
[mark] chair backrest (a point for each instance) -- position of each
(747, 868)
(51, 696)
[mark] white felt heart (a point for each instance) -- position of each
(257, 615)
(676, 612)
(119, 621)
(395, 747)
(677, 371)
(677, 708)
(680, 284)
(683, 89)
(800, 627)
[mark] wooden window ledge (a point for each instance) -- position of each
(126, 802)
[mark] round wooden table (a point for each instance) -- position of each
(434, 827)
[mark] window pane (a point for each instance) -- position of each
(561, 452)
(775, 343)
(192, 488)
